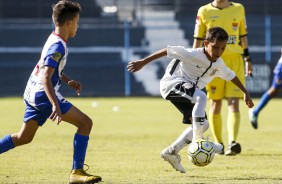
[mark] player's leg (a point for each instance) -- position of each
(186, 137)
(84, 125)
(77, 118)
(199, 119)
(233, 119)
(180, 98)
(170, 154)
(233, 94)
(266, 97)
(198, 113)
(216, 119)
(233, 123)
(215, 92)
(185, 107)
(24, 136)
(26, 133)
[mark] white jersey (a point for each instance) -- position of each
(192, 65)
(54, 54)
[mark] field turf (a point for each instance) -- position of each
(126, 141)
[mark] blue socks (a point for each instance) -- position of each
(80, 143)
(6, 143)
(262, 103)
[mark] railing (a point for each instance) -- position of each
(264, 55)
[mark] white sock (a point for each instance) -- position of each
(198, 114)
(186, 137)
(197, 130)
(183, 140)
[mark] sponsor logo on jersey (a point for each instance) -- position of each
(57, 56)
(231, 39)
(213, 72)
(214, 17)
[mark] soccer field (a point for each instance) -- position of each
(126, 142)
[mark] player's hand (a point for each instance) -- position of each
(76, 85)
(249, 69)
(135, 66)
(248, 100)
(56, 115)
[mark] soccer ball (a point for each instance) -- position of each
(201, 152)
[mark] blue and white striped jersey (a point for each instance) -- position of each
(54, 54)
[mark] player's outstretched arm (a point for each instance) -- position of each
(137, 65)
(247, 97)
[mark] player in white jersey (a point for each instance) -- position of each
(43, 100)
(190, 71)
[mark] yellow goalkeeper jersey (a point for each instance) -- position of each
(232, 19)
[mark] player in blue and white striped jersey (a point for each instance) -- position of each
(43, 99)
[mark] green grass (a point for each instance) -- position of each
(124, 146)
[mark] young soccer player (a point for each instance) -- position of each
(268, 95)
(43, 100)
(231, 17)
(189, 71)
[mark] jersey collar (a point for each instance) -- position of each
(231, 4)
(59, 36)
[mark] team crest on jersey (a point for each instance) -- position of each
(57, 56)
(235, 26)
(278, 82)
(213, 72)
(213, 89)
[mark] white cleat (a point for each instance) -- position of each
(217, 147)
(173, 158)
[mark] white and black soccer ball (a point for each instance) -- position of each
(201, 152)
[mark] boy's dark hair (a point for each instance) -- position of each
(64, 10)
(216, 33)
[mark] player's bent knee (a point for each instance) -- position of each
(27, 140)
(85, 125)
(89, 123)
(21, 140)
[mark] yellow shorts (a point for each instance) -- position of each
(219, 88)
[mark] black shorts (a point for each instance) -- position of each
(183, 104)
